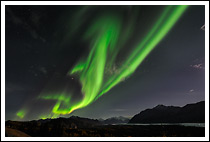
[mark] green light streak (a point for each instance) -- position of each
(105, 44)
(62, 100)
(50, 116)
(93, 85)
(161, 28)
(21, 113)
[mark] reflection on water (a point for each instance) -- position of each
(181, 124)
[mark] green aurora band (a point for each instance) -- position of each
(106, 41)
(21, 113)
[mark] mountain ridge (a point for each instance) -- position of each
(190, 113)
(115, 120)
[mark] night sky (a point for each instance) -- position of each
(102, 61)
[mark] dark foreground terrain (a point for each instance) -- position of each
(104, 131)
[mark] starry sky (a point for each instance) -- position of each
(84, 60)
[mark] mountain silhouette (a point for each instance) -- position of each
(75, 126)
(115, 120)
(190, 113)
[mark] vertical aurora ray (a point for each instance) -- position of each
(160, 29)
(107, 37)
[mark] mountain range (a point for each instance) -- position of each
(190, 113)
(77, 126)
(115, 120)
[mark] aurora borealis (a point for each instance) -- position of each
(103, 53)
(104, 46)
(93, 50)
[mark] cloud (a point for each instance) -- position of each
(198, 66)
(11, 87)
(112, 70)
(43, 70)
(191, 91)
(203, 27)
